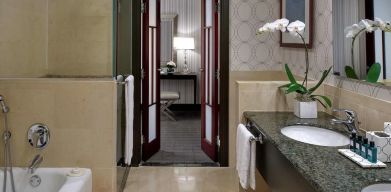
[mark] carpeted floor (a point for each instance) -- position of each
(181, 140)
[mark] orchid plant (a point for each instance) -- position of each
(304, 93)
(354, 32)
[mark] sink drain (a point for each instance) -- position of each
(35, 181)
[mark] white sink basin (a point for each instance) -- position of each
(378, 188)
(315, 135)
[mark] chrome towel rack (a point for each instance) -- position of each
(120, 79)
(258, 136)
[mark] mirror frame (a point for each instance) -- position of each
(173, 18)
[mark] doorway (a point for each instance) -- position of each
(221, 120)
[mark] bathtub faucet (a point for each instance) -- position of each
(35, 163)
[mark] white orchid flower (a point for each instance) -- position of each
(296, 27)
(369, 25)
(383, 25)
(379, 22)
(387, 27)
(281, 24)
(269, 27)
(352, 31)
(264, 28)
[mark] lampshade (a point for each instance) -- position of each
(183, 43)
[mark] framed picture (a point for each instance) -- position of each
(293, 10)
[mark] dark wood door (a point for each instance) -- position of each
(209, 77)
(151, 81)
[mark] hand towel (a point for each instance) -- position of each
(245, 157)
(129, 102)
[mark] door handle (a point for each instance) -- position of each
(159, 69)
(201, 69)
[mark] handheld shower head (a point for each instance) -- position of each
(4, 107)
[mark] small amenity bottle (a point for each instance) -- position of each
(353, 142)
(372, 152)
(364, 149)
(359, 145)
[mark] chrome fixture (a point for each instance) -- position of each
(7, 148)
(35, 181)
(258, 136)
(350, 122)
(4, 107)
(38, 135)
(35, 164)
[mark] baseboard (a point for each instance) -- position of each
(185, 107)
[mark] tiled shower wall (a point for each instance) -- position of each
(64, 37)
(81, 116)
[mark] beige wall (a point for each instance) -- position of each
(81, 116)
(256, 91)
(60, 37)
(23, 34)
(371, 112)
(80, 37)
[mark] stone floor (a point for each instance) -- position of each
(182, 179)
(181, 140)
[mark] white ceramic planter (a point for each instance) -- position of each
(305, 110)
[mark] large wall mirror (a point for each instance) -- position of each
(168, 31)
(369, 48)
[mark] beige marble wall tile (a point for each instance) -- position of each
(178, 179)
(81, 116)
(80, 37)
(23, 38)
(371, 112)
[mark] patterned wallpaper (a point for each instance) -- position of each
(249, 52)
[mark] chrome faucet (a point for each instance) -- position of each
(350, 122)
(35, 164)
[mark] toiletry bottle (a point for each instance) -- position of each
(364, 150)
(372, 152)
(359, 145)
(353, 142)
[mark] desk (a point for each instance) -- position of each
(183, 76)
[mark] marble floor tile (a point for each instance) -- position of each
(182, 179)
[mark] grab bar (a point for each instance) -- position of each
(259, 136)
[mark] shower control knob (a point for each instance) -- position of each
(38, 135)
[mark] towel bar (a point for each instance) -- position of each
(255, 138)
(120, 79)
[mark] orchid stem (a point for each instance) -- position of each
(352, 48)
(306, 61)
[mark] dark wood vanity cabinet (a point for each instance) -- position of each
(278, 172)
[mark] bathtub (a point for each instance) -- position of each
(52, 180)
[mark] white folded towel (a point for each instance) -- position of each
(245, 157)
(129, 102)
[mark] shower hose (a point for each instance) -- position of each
(7, 155)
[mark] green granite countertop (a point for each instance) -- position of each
(323, 167)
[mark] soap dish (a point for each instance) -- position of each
(360, 160)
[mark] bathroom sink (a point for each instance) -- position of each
(315, 135)
(381, 187)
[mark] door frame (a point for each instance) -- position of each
(223, 89)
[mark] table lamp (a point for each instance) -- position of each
(184, 43)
